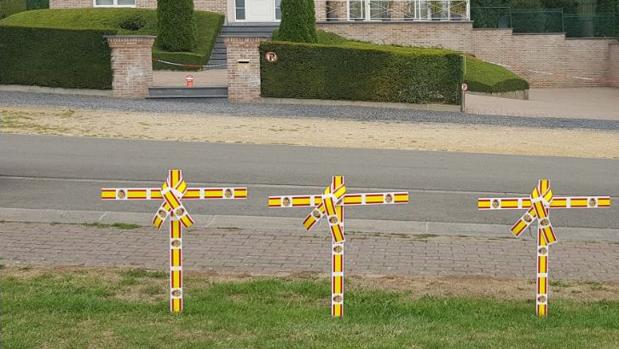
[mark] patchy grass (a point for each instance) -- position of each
(100, 309)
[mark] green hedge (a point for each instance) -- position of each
(362, 72)
(9, 7)
(127, 21)
(55, 57)
(176, 25)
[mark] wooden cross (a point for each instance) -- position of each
(538, 207)
(171, 193)
(330, 205)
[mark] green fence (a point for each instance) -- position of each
(545, 21)
(593, 26)
(10, 7)
(537, 21)
(491, 17)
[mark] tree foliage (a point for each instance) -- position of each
(176, 26)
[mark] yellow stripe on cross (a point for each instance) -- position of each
(538, 206)
(172, 193)
(330, 205)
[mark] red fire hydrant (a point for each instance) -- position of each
(189, 81)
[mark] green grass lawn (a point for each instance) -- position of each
(479, 75)
(127, 21)
(128, 309)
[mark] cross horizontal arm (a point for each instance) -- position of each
(557, 202)
(360, 199)
(237, 193)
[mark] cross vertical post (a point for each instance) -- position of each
(330, 205)
(172, 193)
(538, 206)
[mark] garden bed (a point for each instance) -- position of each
(479, 75)
(126, 21)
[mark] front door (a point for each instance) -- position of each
(260, 10)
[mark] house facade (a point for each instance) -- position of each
(269, 11)
(545, 60)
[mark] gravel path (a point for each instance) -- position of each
(222, 107)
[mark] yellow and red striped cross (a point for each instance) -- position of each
(173, 191)
(330, 205)
(538, 206)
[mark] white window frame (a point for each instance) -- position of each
(115, 4)
(275, 20)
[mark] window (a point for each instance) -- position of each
(379, 9)
(278, 10)
(119, 3)
(357, 10)
(240, 10)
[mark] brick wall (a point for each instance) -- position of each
(613, 69)
(70, 3)
(243, 68)
(452, 35)
(131, 65)
(546, 60)
(201, 5)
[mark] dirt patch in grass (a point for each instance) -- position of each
(301, 132)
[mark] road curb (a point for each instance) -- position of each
(278, 224)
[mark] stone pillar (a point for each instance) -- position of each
(243, 68)
(613, 69)
(132, 65)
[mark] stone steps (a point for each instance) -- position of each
(218, 56)
(218, 92)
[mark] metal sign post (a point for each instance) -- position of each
(538, 207)
(330, 205)
(172, 192)
(465, 88)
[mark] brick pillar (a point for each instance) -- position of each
(243, 68)
(132, 65)
(613, 69)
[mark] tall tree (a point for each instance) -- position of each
(298, 21)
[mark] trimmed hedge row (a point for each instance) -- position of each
(55, 57)
(9, 7)
(363, 72)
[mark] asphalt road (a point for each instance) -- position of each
(44, 172)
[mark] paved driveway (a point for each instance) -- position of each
(255, 251)
(600, 103)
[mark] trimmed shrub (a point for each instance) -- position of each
(298, 21)
(128, 21)
(175, 21)
(55, 57)
(362, 72)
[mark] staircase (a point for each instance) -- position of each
(218, 56)
(215, 92)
